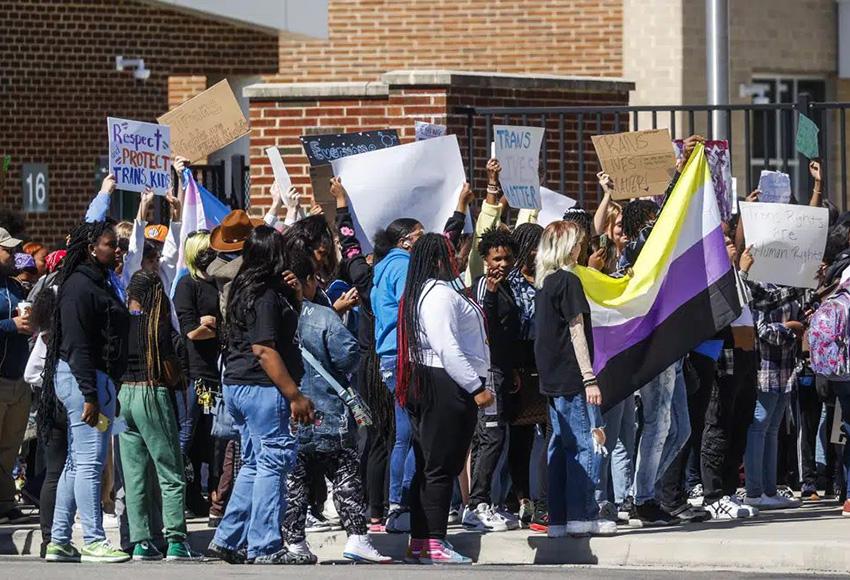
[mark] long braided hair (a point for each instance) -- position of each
(83, 236)
(432, 258)
(146, 289)
(527, 237)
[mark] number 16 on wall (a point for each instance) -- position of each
(34, 184)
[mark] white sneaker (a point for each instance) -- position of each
(580, 527)
(602, 527)
(483, 519)
(557, 532)
(744, 511)
(510, 519)
(301, 548)
(775, 502)
(111, 522)
(398, 521)
(360, 549)
(726, 509)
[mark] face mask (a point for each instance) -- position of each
(204, 259)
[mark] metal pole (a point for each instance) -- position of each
(717, 61)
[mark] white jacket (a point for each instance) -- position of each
(35, 363)
(453, 335)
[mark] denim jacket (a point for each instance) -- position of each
(325, 336)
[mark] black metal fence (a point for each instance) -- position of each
(761, 136)
(213, 177)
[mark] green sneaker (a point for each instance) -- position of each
(61, 553)
(178, 551)
(103, 552)
(145, 551)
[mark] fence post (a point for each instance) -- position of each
(801, 182)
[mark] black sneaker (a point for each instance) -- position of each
(226, 554)
(14, 516)
(284, 557)
(650, 515)
(624, 510)
(688, 514)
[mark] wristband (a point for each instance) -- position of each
(590, 383)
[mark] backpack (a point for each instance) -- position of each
(829, 337)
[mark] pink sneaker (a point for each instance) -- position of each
(414, 551)
(376, 528)
(441, 552)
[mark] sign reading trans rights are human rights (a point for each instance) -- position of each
(140, 155)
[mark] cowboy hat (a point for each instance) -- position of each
(231, 233)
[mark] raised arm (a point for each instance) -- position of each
(489, 217)
(135, 251)
(602, 211)
(817, 189)
(99, 206)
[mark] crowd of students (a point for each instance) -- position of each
(421, 389)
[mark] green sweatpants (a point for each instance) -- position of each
(152, 436)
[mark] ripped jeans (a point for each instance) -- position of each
(574, 464)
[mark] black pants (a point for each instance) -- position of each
(55, 455)
(443, 421)
(487, 444)
(673, 494)
(809, 407)
(745, 406)
(520, 442)
(376, 471)
(716, 458)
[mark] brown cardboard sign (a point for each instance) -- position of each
(640, 163)
(205, 123)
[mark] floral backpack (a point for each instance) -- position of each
(829, 337)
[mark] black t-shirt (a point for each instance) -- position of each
(272, 320)
(192, 300)
(137, 343)
(559, 301)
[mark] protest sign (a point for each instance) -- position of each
(139, 155)
(640, 163)
(807, 137)
(420, 180)
(554, 206)
(787, 241)
(518, 151)
(206, 122)
(720, 167)
(281, 175)
(323, 149)
(775, 187)
(428, 130)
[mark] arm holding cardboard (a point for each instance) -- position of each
(491, 213)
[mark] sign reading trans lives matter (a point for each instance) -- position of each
(787, 242)
(139, 155)
(518, 152)
(322, 149)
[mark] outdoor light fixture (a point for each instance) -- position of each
(137, 64)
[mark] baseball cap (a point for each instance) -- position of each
(156, 232)
(7, 241)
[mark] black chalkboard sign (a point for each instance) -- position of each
(322, 149)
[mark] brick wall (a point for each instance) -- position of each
(368, 37)
(59, 83)
(183, 88)
(296, 110)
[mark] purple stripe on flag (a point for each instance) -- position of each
(691, 273)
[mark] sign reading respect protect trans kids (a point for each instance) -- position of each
(518, 151)
(140, 155)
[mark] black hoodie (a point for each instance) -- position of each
(94, 328)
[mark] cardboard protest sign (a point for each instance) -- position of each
(518, 151)
(641, 163)
(206, 122)
(807, 137)
(420, 180)
(281, 175)
(775, 187)
(139, 155)
(787, 240)
(428, 130)
(323, 149)
(720, 167)
(554, 206)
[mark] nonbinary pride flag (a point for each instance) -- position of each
(681, 292)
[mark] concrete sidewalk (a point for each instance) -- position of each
(812, 539)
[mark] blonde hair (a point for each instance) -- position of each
(611, 214)
(556, 249)
(123, 230)
(194, 246)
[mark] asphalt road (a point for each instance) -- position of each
(19, 568)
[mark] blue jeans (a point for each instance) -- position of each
(80, 483)
(188, 413)
(620, 442)
(402, 462)
(573, 464)
(666, 428)
(842, 391)
(763, 444)
(256, 507)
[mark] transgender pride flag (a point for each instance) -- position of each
(681, 292)
(201, 211)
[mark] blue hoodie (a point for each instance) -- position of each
(388, 286)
